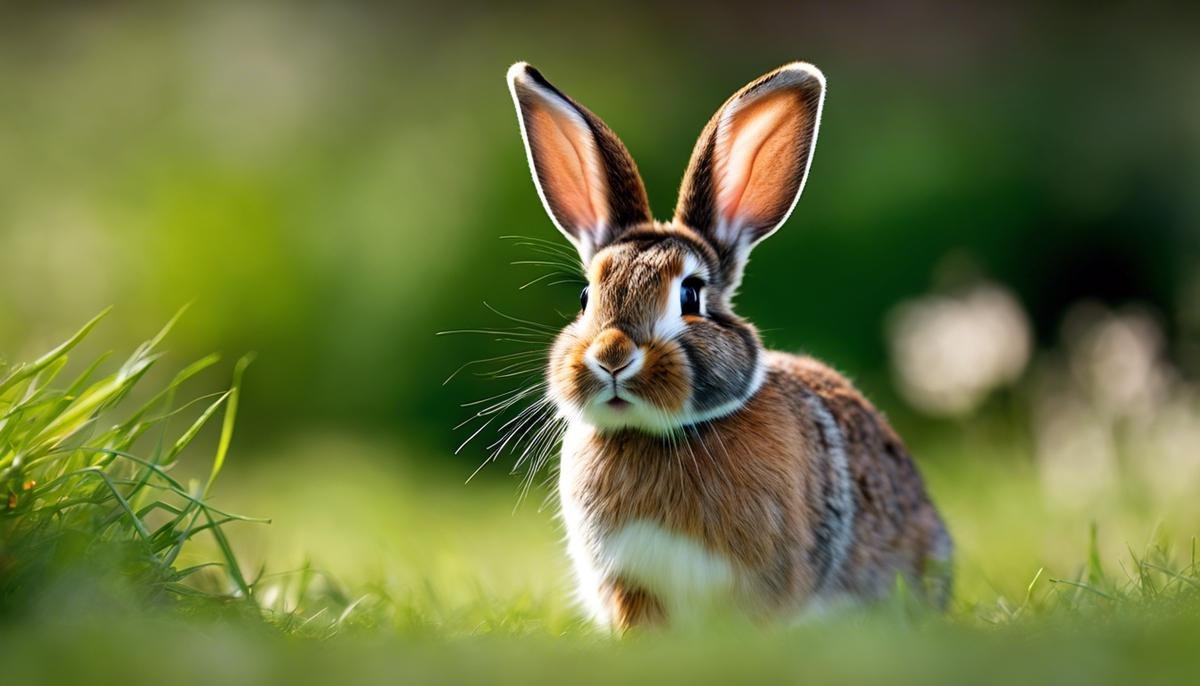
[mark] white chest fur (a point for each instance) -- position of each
(676, 569)
(688, 578)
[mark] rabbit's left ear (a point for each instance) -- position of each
(584, 175)
(750, 163)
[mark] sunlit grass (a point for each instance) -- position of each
(432, 553)
(77, 498)
(389, 557)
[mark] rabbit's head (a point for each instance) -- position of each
(656, 345)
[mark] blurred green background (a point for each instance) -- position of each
(999, 241)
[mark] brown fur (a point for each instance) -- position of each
(633, 606)
(797, 487)
(896, 527)
(748, 486)
(630, 290)
(719, 491)
(613, 349)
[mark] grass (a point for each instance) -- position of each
(379, 565)
(76, 497)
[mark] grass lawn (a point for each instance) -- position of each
(381, 565)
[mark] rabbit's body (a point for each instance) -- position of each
(815, 499)
(700, 471)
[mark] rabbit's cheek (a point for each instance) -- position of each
(725, 362)
(665, 378)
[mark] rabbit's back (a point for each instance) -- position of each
(878, 508)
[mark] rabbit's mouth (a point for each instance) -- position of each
(617, 403)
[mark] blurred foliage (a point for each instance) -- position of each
(328, 181)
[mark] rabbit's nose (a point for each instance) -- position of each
(613, 353)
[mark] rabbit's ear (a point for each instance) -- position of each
(750, 163)
(584, 175)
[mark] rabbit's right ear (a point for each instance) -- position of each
(749, 166)
(583, 173)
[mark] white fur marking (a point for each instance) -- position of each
(628, 371)
(579, 530)
(757, 377)
(670, 323)
(686, 577)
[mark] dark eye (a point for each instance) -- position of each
(583, 298)
(689, 295)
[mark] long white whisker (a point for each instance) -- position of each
(497, 358)
(543, 277)
(530, 408)
(525, 322)
(469, 438)
(487, 399)
(512, 370)
(532, 419)
(553, 432)
(536, 388)
(532, 334)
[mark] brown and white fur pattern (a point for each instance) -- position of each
(699, 471)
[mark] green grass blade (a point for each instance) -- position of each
(228, 423)
(194, 429)
(231, 563)
(21, 372)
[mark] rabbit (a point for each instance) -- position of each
(699, 471)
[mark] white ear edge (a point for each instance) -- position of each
(788, 75)
(518, 76)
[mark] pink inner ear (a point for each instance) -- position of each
(568, 168)
(759, 159)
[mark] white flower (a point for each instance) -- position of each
(949, 352)
(1116, 358)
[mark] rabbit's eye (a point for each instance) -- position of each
(689, 295)
(583, 297)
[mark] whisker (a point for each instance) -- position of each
(561, 257)
(721, 441)
(520, 340)
(524, 411)
(537, 263)
(529, 418)
(534, 241)
(490, 457)
(515, 331)
(489, 399)
(472, 436)
(500, 407)
(524, 420)
(543, 277)
(543, 440)
(535, 442)
(526, 322)
(511, 370)
(688, 443)
(512, 374)
(549, 437)
(497, 358)
(552, 471)
(497, 409)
